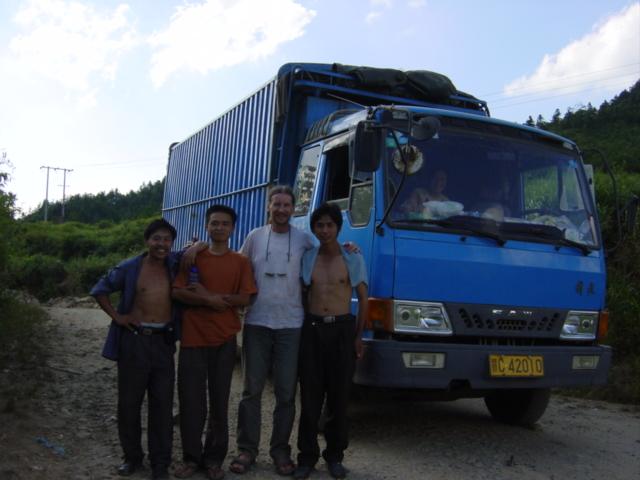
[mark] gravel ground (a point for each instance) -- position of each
(68, 429)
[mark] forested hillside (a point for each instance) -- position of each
(614, 129)
(111, 206)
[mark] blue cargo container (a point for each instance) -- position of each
(485, 258)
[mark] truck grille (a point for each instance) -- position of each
(505, 321)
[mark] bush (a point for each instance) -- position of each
(18, 325)
(83, 273)
(40, 275)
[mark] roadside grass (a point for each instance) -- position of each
(23, 351)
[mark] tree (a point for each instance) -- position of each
(7, 221)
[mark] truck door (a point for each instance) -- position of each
(329, 177)
(352, 191)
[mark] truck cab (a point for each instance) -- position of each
(485, 257)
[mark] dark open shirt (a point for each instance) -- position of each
(123, 278)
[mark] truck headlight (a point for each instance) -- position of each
(580, 326)
(421, 317)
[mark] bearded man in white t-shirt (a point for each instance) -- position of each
(271, 334)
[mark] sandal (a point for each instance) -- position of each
(214, 472)
(242, 463)
(186, 470)
(284, 466)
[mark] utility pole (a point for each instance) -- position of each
(64, 186)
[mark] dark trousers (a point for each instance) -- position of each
(326, 367)
(199, 367)
(145, 365)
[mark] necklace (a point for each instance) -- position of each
(269, 240)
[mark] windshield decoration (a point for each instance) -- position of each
(413, 157)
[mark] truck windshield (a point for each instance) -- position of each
(506, 182)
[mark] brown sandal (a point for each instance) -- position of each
(186, 470)
(214, 472)
(284, 466)
(241, 464)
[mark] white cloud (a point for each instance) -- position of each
(375, 14)
(417, 3)
(610, 50)
(71, 43)
(372, 17)
(219, 33)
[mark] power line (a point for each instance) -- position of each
(603, 82)
(566, 77)
(503, 106)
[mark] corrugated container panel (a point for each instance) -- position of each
(228, 161)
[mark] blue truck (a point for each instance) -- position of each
(482, 239)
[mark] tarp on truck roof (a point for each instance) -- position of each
(431, 86)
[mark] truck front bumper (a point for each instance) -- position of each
(382, 365)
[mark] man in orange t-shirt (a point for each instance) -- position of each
(208, 345)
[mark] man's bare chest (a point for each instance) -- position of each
(330, 271)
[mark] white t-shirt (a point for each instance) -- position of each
(279, 300)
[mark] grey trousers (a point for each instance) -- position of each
(264, 350)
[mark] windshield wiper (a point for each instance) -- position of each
(449, 223)
(550, 232)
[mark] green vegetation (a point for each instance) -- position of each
(19, 323)
(55, 260)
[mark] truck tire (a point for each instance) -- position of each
(518, 406)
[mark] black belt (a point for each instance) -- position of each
(151, 330)
(328, 319)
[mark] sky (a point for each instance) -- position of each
(102, 88)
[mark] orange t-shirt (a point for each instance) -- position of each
(226, 274)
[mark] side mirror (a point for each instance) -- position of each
(366, 146)
(426, 128)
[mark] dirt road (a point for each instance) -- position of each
(68, 429)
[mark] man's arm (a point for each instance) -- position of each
(122, 320)
(196, 295)
(189, 255)
(363, 313)
(238, 299)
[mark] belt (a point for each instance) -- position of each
(328, 319)
(151, 330)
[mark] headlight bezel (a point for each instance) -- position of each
(424, 316)
(580, 325)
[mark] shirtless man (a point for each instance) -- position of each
(141, 339)
(330, 342)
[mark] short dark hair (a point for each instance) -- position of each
(330, 209)
(286, 189)
(159, 224)
(222, 209)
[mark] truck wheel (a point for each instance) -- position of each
(518, 406)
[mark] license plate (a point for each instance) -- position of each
(516, 365)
